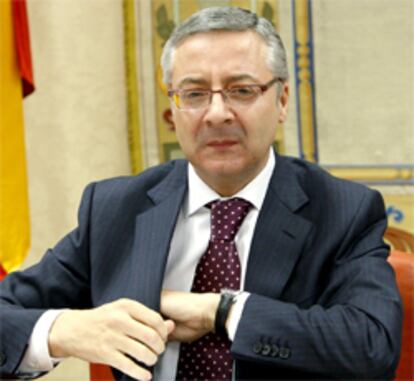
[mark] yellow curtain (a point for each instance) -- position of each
(14, 206)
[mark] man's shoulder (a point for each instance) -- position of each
(133, 190)
(144, 180)
(316, 180)
(331, 201)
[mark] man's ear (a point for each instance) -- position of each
(282, 102)
(168, 117)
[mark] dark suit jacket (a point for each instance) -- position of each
(323, 304)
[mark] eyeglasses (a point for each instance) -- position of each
(195, 99)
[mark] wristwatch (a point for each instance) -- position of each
(227, 298)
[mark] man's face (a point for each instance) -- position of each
(226, 144)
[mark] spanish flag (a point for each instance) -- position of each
(16, 81)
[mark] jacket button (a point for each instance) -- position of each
(284, 353)
(275, 351)
(257, 348)
(266, 349)
(3, 359)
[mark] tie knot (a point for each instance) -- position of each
(226, 218)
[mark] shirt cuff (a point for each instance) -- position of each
(236, 312)
(37, 357)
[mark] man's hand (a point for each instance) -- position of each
(193, 314)
(112, 334)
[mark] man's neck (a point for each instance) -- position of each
(228, 186)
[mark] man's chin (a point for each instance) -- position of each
(225, 167)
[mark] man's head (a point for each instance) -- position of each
(226, 135)
(227, 18)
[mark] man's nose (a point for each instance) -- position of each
(218, 111)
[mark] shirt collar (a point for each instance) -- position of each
(199, 193)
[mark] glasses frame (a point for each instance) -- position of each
(172, 93)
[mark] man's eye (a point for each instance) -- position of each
(242, 91)
(193, 94)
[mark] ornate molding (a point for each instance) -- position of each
(304, 78)
(378, 174)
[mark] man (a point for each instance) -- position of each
(142, 280)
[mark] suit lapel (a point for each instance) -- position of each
(277, 242)
(153, 232)
(279, 235)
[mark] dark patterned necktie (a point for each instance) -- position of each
(209, 358)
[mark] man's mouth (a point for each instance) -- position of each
(222, 144)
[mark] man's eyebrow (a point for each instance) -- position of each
(192, 81)
(242, 77)
(230, 79)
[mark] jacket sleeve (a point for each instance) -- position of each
(352, 331)
(59, 280)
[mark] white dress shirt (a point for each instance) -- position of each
(188, 244)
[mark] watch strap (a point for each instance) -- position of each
(226, 301)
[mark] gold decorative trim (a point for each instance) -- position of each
(304, 81)
(379, 174)
(134, 130)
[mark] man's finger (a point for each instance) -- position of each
(125, 365)
(144, 334)
(146, 316)
(136, 350)
(170, 326)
